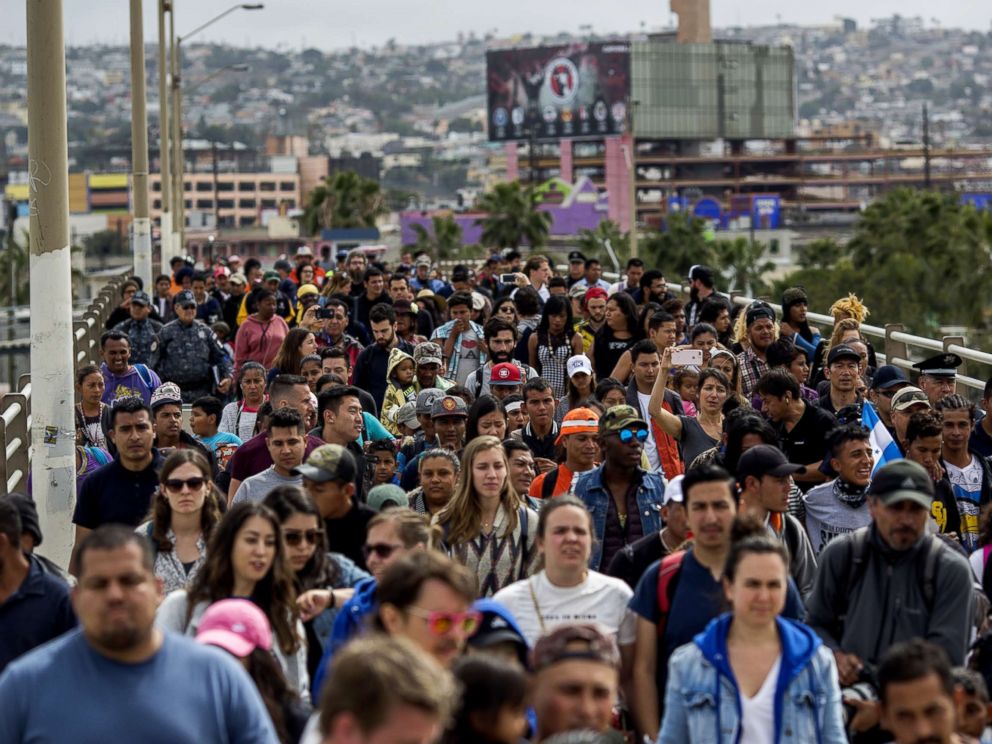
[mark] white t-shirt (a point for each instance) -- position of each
(966, 483)
(599, 599)
(650, 448)
(758, 712)
(468, 360)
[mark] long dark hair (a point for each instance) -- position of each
(627, 306)
(271, 683)
(556, 305)
(319, 572)
(161, 511)
(289, 357)
(274, 594)
(484, 405)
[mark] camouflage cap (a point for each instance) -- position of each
(427, 352)
(329, 462)
(184, 299)
(619, 418)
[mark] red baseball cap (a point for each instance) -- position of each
(505, 373)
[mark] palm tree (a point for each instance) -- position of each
(592, 242)
(743, 265)
(512, 217)
(679, 246)
(345, 199)
(443, 241)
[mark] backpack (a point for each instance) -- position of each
(669, 573)
(477, 380)
(144, 374)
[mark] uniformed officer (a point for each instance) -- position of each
(938, 375)
(189, 354)
(140, 328)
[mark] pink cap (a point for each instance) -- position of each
(233, 257)
(236, 625)
(222, 271)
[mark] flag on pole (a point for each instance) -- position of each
(883, 446)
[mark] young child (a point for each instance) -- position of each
(223, 332)
(492, 709)
(204, 418)
(973, 705)
(400, 387)
(381, 457)
(686, 384)
(311, 370)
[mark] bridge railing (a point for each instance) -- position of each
(15, 407)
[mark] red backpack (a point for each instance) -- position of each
(668, 580)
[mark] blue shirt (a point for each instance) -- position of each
(185, 693)
(114, 494)
(36, 613)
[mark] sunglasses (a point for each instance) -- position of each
(442, 623)
(626, 435)
(295, 537)
(176, 484)
(382, 550)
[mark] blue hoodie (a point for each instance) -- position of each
(807, 694)
(348, 623)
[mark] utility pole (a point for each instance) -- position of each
(926, 147)
(213, 152)
(178, 186)
(632, 168)
(141, 226)
(164, 156)
(53, 465)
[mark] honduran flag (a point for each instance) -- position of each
(883, 446)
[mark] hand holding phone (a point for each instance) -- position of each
(687, 357)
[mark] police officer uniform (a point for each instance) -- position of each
(941, 367)
(141, 333)
(190, 355)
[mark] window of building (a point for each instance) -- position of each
(267, 185)
(246, 203)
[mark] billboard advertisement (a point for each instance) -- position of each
(573, 90)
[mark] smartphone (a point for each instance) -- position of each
(508, 278)
(325, 313)
(687, 357)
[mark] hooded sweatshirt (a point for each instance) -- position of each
(807, 695)
(396, 394)
(258, 341)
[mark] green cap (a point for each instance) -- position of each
(329, 462)
(269, 276)
(385, 495)
(619, 418)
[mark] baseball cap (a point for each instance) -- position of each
(578, 364)
(270, 276)
(578, 421)
(765, 459)
(842, 351)
(184, 299)
(221, 271)
(497, 627)
(233, 258)
(167, 392)
(307, 289)
(888, 376)
(426, 398)
(329, 462)
(282, 265)
(478, 301)
(902, 480)
(422, 261)
(304, 250)
(576, 257)
(236, 625)
(673, 490)
(238, 278)
(595, 292)
(459, 274)
(619, 418)
(427, 352)
(449, 405)
(758, 310)
(407, 415)
(575, 641)
(578, 291)
(703, 273)
(141, 297)
(505, 374)
(386, 494)
(908, 397)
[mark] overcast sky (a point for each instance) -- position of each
(341, 23)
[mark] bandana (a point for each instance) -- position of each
(850, 494)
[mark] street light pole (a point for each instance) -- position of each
(141, 226)
(53, 465)
(164, 156)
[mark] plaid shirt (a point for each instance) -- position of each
(752, 369)
(443, 332)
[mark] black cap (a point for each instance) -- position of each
(184, 298)
(940, 365)
(576, 256)
(888, 376)
(702, 273)
(495, 628)
(765, 459)
(902, 480)
(141, 298)
(842, 351)
(758, 310)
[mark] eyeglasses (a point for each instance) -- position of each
(295, 537)
(176, 484)
(626, 435)
(442, 623)
(382, 550)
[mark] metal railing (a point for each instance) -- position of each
(15, 407)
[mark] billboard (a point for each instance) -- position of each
(573, 90)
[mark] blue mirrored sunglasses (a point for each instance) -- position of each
(626, 435)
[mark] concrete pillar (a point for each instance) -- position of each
(141, 226)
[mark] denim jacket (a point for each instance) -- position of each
(702, 703)
(650, 495)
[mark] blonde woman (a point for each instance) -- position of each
(486, 526)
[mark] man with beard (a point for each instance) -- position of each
(357, 264)
(653, 288)
(370, 367)
(760, 322)
(501, 338)
(593, 316)
(701, 285)
(438, 474)
(60, 691)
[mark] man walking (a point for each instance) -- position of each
(370, 367)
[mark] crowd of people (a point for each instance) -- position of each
(359, 502)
